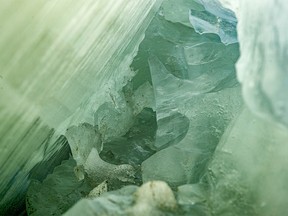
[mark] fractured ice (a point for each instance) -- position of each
(177, 138)
(215, 19)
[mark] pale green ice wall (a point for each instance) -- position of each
(57, 57)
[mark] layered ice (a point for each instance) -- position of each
(187, 122)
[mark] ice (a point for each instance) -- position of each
(82, 139)
(98, 171)
(152, 198)
(111, 203)
(157, 127)
(248, 169)
(215, 19)
(59, 63)
(262, 66)
(185, 161)
(57, 193)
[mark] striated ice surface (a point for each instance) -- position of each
(61, 60)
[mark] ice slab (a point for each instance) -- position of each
(215, 19)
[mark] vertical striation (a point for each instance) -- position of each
(56, 55)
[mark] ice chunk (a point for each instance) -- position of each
(82, 139)
(142, 98)
(215, 19)
(186, 54)
(152, 198)
(206, 117)
(171, 129)
(85, 144)
(185, 162)
(248, 174)
(178, 11)
(203, 53)
(171, 165)
(111, 203)
(136, 145)
(195, 101)
(98, 171)
(113, 120)
(169, 100)
(57, 193)
(190, 194)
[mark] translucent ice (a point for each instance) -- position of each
(215, 19)
(82, 139)
(57, 193)
(152, 198)
(62, 60)
(168, 119)
(248, 174)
